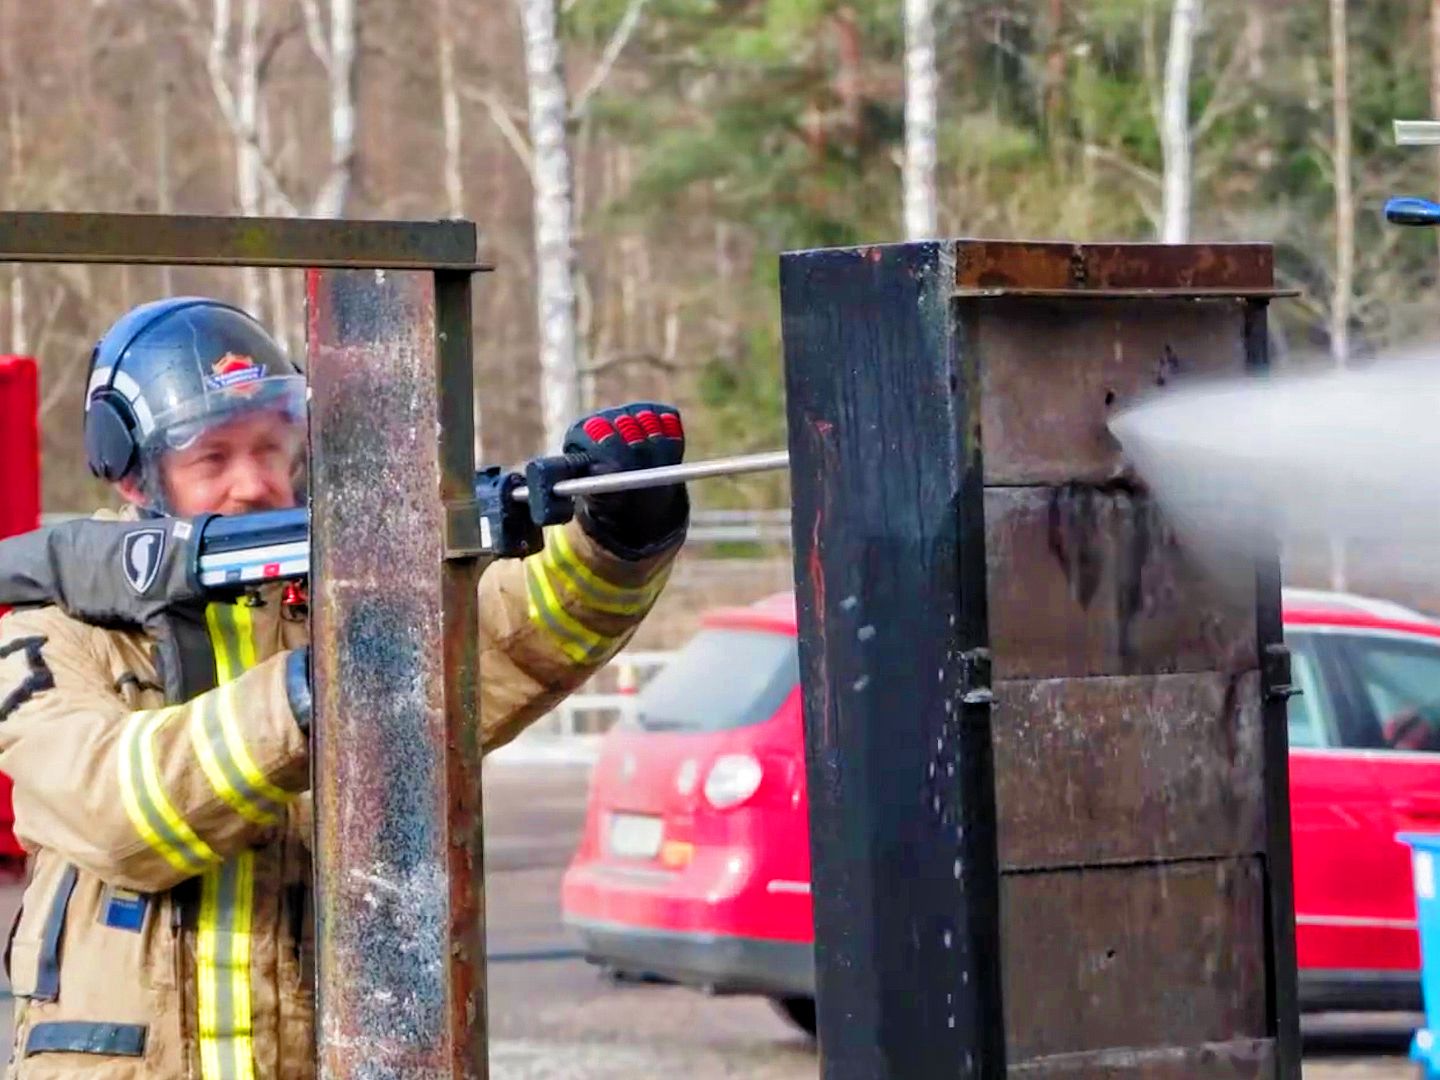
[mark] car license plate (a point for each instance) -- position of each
(635, 836)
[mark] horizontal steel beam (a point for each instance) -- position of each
(182, 240)
(1179, 292)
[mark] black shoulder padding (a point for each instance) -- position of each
(38, 680)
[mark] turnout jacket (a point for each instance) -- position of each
(166, 926)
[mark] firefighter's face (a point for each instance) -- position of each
(244, 465)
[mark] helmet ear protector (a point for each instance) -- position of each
(110, 445)
(112, 448)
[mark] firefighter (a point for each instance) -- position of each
(166, 926)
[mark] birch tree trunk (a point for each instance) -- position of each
(247, 115)
(554, 221)
(1344, 191)
(339, 61)
(450, 114)
(1435, 75)
(164, 199)
(14, 141)
(1178, 177)
(1344, 235)
(921, 85)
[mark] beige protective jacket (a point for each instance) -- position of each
(166, 925)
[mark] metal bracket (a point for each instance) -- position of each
(975, 677)
(462, 530)
(1275, 684)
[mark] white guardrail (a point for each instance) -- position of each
(595, 712)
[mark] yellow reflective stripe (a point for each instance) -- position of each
(173, 831)
(578, 641)
(139, 805)
(207, 1007)
(225, 778)
(598, 593)
(221, 626)
(222, 947)
(245, 632)
(242, 1028)
(227, 901)
(215, 727)
(240, 753)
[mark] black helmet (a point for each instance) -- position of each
(171, 369)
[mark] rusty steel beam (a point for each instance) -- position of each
(399, 863)
(186, 240)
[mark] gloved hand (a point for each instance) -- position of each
(297, 686)
(641, 435)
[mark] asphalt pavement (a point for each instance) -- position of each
(553, 1017)
(557, 1018)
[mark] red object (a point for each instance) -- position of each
(665, 883)
(19, 445)
(19, 500)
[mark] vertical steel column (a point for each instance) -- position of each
(400, 920)
(890, 573)
(1283, 1001)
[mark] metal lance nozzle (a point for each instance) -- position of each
(634, 480)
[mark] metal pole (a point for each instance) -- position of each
(400, 924)
(666, 474)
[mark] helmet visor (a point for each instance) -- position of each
(281, 395)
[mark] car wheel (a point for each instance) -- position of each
(799, 1011)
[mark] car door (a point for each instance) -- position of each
(1338, 820)
(1393, 684)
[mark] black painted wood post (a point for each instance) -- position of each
(890, 569)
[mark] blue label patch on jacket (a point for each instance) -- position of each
(123, 909)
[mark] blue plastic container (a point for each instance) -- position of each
(1425, 871)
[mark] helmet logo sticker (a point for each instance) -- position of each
(140, 558)
(232, 369)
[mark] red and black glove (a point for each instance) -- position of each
(641, 435)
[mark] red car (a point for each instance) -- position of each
(694, 866)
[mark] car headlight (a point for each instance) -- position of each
(732, 779)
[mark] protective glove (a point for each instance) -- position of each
(297, 686)
(642, 435)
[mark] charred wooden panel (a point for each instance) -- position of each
(1051, 372)
(1142, 956)
(1241, 1059)
(1091, 771)
(1090, 582)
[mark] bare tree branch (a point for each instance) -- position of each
(1230, 92)
(632, 359)
(624, 31)
(500, 114)
(1106, 156)
(315, 32)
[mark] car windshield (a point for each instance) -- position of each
(722, 679)
(1398, 684)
